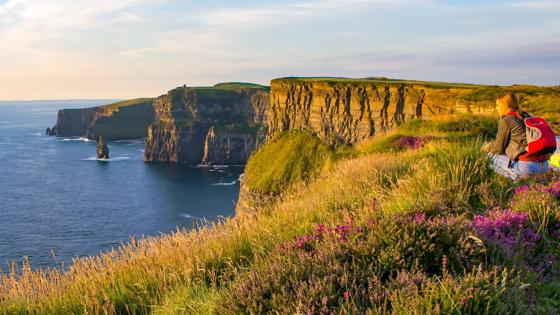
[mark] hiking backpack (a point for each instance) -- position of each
(540, 136)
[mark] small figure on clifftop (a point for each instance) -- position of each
(524, 143)
(102, 149)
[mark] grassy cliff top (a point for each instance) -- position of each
(333, 81)
(132, 102)
(481, 91)
(232, 86)
(240, 85)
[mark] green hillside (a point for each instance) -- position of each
(400, 230)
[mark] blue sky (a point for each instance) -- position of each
(132, 48)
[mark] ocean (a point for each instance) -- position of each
(57, 201)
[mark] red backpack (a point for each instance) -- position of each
(540, 136)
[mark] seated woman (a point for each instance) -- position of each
(509, 157)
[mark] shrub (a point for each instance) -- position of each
(540, 201)
(352, 266)
(412, 143)
(523, 245)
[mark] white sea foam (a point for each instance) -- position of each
(241, 176)
(220, 166)
(77, 139)
(214, 170)
(225, 184)
(116, 159)
(131, 142)
(188, 216)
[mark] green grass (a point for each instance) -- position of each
(290, 158)
(232, 86)
(240, 85)
(132, 102)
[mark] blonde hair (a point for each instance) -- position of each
(507, 103)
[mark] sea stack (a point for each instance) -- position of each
(102, 149)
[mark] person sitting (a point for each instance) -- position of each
(508, 152)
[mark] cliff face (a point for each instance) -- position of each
(347, 111)
(119, 121)
(219, 125)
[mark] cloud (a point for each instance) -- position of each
(273, 13)
(63, 13)
(538, 5)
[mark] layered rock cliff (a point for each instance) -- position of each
(219, 125)
(345, 111)
(118, 121)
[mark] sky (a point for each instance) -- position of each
(72, 49)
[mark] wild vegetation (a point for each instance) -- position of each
(413, 221)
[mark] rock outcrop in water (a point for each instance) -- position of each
(223, 124)
(345, 111)
(119, 121)
(102, 149)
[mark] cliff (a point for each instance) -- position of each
(118, 121)
(345, 111)
(223, 124)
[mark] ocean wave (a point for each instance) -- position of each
(225, 184)
(217, 166)
(131, 142)
(116, 159)
(188, 216)
(215, 170)
(77, 139)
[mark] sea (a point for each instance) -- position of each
(57, 201)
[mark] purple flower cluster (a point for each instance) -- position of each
(420, 217)
(340, 232)
(512, 230)
(552, 189)
(412, 143)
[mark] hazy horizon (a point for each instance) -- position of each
(142, 48)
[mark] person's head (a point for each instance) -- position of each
(507, 103)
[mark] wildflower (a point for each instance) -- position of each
(444, 262)
(521, 189)
(420, 217)
(320, 229)
(299, 242)
(346, 295)
(342, 231)
(412, 143)
(463, 300)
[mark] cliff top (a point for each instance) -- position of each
(230, 86)
(333, 81)
(132, 102)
